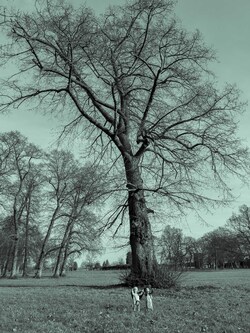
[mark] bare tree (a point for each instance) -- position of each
(137, 84)
(240, 224)
(60, 168)
(6, 246)
(33, 193)
(83, 237)
(28, 246)
(81, 228)
(190, 250)
(171, 248)
(21, 155)
(222, 248)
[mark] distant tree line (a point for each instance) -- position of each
(106, 266)
(225, 247)
(46, 207)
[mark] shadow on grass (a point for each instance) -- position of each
(103, 287)
(98, 287)
(207, 287)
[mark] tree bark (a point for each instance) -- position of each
(39, 265)
(63, 264)
(26, 241)
(60, 261)
(65, 257)
(13, 272)
(7, 261)
(141, 240)
(56, 273)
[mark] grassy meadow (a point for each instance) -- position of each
(92, 301)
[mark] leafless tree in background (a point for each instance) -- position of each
(20, 164)
(240, 224)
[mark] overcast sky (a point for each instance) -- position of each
(225, 25)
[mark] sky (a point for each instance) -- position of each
(225, 26)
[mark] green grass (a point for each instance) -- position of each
(86, 301)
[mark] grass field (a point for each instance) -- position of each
(85, 301)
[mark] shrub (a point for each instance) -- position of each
(165, 278)
(162, 277)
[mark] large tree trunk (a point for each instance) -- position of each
(60, 260)
(65, 257)
(13, 271)
(141, 240)
(7, 261)
(26, 241)
(56, 272)
(39, 265)
(16, 220)
(63, 264)
(39, 268)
